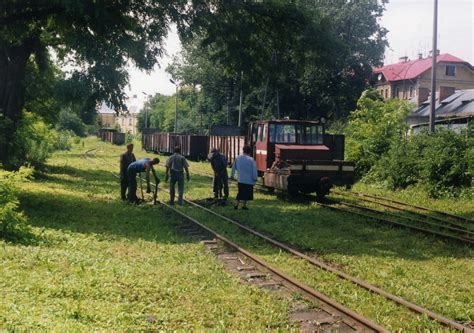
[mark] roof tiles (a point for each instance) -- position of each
(411, 69)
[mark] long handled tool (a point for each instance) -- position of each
(141, 186)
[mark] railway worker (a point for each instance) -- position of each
(221, 179)
(175, 165)
(143, 165)
(247, 177)
(125, 160)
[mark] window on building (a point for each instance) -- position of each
(450, 70)
(397, 93)
(129, 121)
(386, 93)
(411, 92)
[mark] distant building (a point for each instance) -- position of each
(455, 111)
(126, 121)
(411, 79)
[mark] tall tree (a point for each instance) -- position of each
(98, 38)
(309, 58)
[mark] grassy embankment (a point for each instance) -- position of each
(96, 263)
(428, 271)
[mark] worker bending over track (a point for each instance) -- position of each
(221, 179)
(175, 165)
(126, 159)
(143, 165)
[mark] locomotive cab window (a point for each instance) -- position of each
(283, 133)
(259, 134)
(310, 135)
(254, 133)
(264, 133)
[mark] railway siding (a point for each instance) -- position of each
(385, 256)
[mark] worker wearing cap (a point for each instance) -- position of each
(126, 159)
(175, 165)
(143, 165)
(221, 179)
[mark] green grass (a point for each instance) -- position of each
(433, 273)
(95, 256)
(99, 264)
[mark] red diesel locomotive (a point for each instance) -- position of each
(297, 156)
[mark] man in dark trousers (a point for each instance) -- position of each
(143, 165)
(126, 159)
(175, 165)
(221, 179)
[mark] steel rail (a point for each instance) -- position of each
(299, 285)
(408, 226)
(361, 197)
(454, 216)
(416, 308)
(444, 227)
(451, 237)
(412, 306)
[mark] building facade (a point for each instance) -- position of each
(125, 121)
(411, 79)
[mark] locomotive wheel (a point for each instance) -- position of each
(324, 186)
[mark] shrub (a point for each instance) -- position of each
(439, 161)
(398, 168)
(12, 222)
(34, 141)
(444, 161)
(372, 129)
(65, 139)
(70, 121)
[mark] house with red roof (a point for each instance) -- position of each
(411, 79)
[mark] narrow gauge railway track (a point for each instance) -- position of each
(393, 202)
(453, 232)
(461, 235)
(438, 220)
(354, 321)
(363, 284)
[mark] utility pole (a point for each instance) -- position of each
(264, 98)
(240, 99)
(146, 108)
(175, 107)
(278, 103)
(433, 68)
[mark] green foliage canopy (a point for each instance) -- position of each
(97, 38)
(305, 59)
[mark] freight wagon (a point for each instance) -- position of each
(111, 135)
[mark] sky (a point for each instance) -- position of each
(410, 25)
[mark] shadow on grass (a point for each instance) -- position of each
(83, 211)
(110, 219)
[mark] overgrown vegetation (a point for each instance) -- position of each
(13, 223)
(36, 140)
(377, 141)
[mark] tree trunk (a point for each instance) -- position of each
(13, 60)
